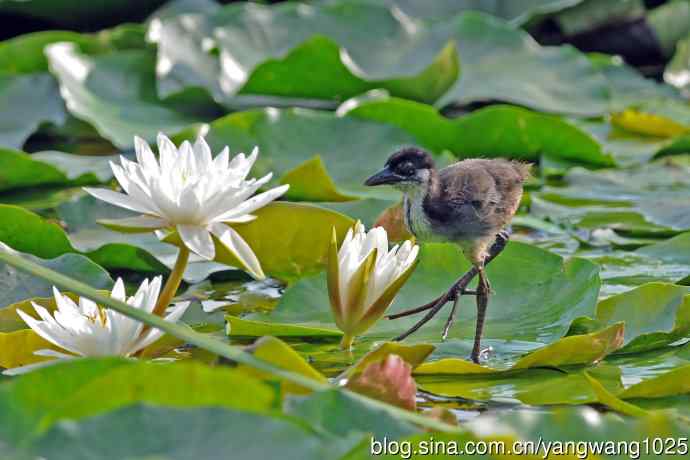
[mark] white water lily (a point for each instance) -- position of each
(364, 277)
(189, 192)
(86, 329)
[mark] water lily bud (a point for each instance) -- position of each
(364, 277)
(389, 380)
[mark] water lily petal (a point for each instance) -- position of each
(53, 354)
(31, 367)
(137, 224)
(222, 160)
(378, 308)
(198, 240)
(154, 334)
(203, 154)
(118, 292)
(233, 242)
(254, 203)
(119, 199)
(167, 152)
(334, 280)
(145, 156)
(50, 332)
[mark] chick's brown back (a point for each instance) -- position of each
(478, 197)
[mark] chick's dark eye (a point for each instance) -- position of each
(406, 169)
(476, 203)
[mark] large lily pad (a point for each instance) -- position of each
(292, 137)
(494, 131)
(164, 433)
(552, 79)
(299, 64)
(650, 198)
(572, 350)
(655, 315)
(27, 87)
(339, 414)
(33, 100)
(18, 169)
(16, 285)
(36, 401)
(540, 386)
(537, 296)
(115, 93)
(296, 252)
(511, 11)
(583, 424)
(403, 49)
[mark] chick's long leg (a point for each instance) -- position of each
(483, 293)
(458, 288)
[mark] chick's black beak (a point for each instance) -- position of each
(385, 176)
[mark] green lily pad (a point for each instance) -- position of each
(531, 303)
(400, 51)
(674, 250)
(625, 270)
(27, 232)
(239, 327)
(310, 182)
(539, 386)
(513, 12)
(116, 93)
(164, 433)
(306, 63)
(494, 131)
(281, 355)
(32, 92)
(17, 285)
(583, 424)
(414, 355)
(34, 100)
(18, 348)
(290, 138)
(50, 168)
(551, 79)
(674, 382)
(339, 414)
(298, 252)
(655, 315)
(39, 403)
(627, 87)
(645, 199)
(572, 350)
(315, 70)
(590, 15)
(607, 398)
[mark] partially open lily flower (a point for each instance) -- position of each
(86, 329)
(189, 192)
(364, 277)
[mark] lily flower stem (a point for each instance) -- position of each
(346, 342)
(173, 282)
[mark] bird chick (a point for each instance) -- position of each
(469, 203)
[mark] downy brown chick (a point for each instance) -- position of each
(469, 203)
